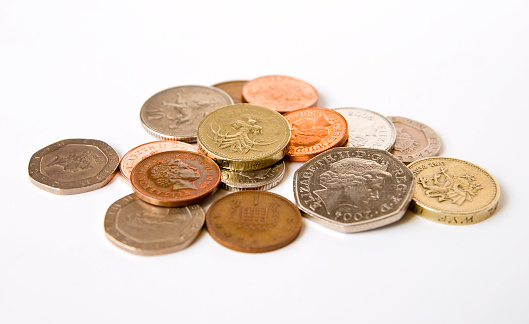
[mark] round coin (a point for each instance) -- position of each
(452, 191)
(414, 140)
(145, 229)
(253, 221)
(262, 179)
(368, 129)
(132, 157)
(175, 178)
(353, 189)
(281, 93)
(233, 88)
(244, 137)
(73, 166)
(174, 114)
(314, 130)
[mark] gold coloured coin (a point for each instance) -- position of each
(452, 191)
(244, 137)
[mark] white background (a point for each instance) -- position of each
(73, 69)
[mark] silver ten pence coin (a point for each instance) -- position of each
(353, 189)
(174, 114)
(368, 129)
(262, 179)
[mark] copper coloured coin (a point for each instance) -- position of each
(314, 130)
(281, 93)
(132, 157)
(233, 89)
(175, 178)
(253, 221)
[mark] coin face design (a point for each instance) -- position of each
(145, 229)
(175, 178)
(253, 221)
(73, 166)
(281, 93)
(132, 157)
(314, 130)
(244, 137)
(353, 189)
(452, 191)
(414, 140)
(174, 114)
(262, 179)
(232, 88)
(368, 129)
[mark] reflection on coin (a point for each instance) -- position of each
(262, 179)
(132, 157)
(368, 129)
(233, 88)
(144, 229)
(73, 166)
(175, 178)
(452, 191)
(253, 221)
(244, 137)
(353, 189)
(414, 140)
(314, 130)
(281, 93)
(174, 114)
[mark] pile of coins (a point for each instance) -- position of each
(354, 177)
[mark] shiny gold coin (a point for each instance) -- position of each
(244, 137)
(253, 221)
(452, 191)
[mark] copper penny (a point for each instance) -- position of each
(175, 178)
(281, 93)
(253, 221)
(314, 130)
(233, 89)
(132, 157)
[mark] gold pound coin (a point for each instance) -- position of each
(244, 137)
(452, 191)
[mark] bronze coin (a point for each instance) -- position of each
(253, 221)
(175, 178)
(315, 130)
(233, 89)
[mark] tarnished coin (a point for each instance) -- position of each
(233, 88)
(244, 137)
(368, 129)
(353, 189)
(73, 166)
(262, 179)
(132, 157)
(145, 229)
(175, 178)
(414, 140)
(281, 93)
(452, 191)
(174, 114)
(314, 130)
(253, 221)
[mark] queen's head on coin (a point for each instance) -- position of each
(352, 183)
(175, 174)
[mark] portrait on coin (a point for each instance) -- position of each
(309, 130)
(175, 174)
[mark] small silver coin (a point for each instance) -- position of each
(174, 114)
(368, 129)
(353, 189)
(262, 179)
(73, 166)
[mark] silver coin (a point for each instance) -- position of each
(145, 229)
(353, 189)
(262, 179)
(368, 129)
(73, 166)
(174, 114)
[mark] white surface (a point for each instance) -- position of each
(83, 70)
